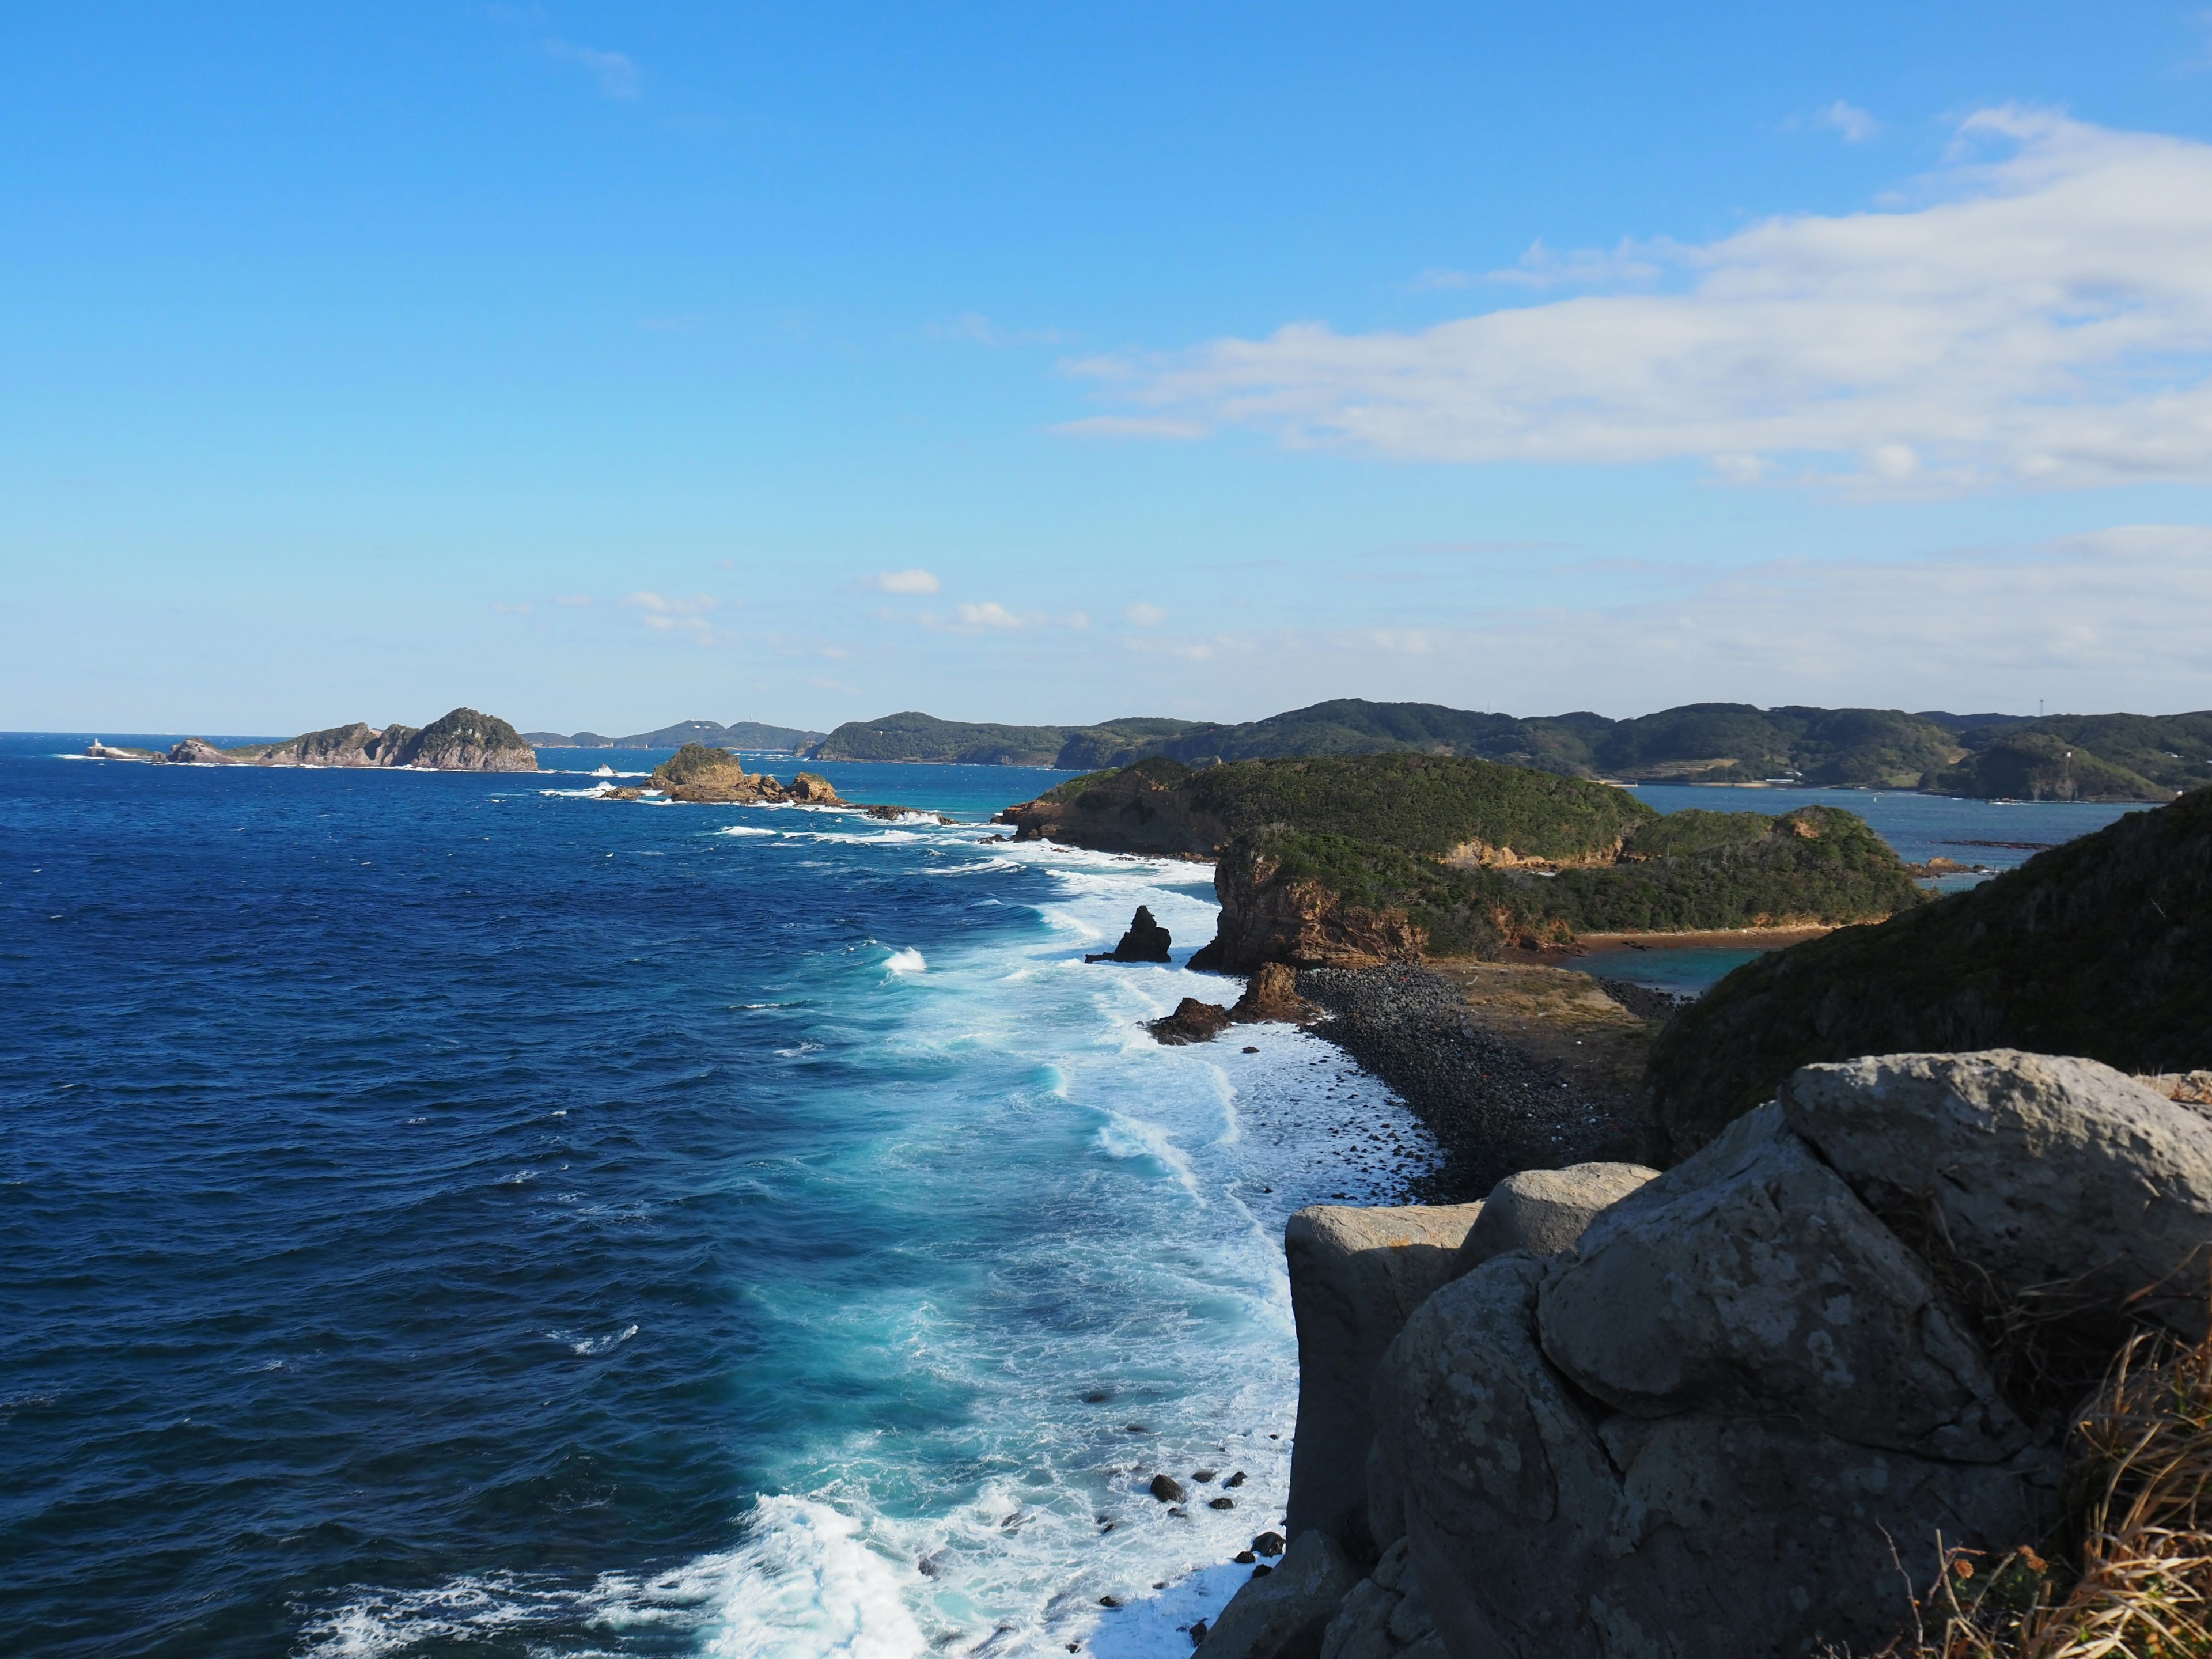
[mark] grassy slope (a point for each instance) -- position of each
(2102, 947)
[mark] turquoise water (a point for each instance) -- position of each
(447, 1214)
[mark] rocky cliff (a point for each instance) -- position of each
(2102, 947)
(1764, 1403)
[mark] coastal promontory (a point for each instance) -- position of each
(463, 740)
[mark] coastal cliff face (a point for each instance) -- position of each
(2102, 947)
(1269, 915)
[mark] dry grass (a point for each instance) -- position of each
(2135, 1580)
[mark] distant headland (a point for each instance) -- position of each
(2088, 758)
(463, 740)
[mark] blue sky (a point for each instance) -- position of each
(608, 366)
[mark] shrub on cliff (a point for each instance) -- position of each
(2041, 766)
(2102, 947)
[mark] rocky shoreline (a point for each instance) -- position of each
(1492, 1106)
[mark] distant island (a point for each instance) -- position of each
(463, 740)
(749, 735)
(2089, 757)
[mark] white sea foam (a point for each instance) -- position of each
(1140, 1320)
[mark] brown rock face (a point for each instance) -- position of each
(1192, 1021)
(1265, 919)
(1272, 994)
(812, 789)
(463, 740)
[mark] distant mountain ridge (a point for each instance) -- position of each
(750, 735)
(2062, 757)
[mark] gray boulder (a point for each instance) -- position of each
(1285, 1615)
(1385, 1615)
(1541, 1529)
(1750, 1279)
(2066, 1183)
(1544, 1212)
(1356, 1275)
(199, 751)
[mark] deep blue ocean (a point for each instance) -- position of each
(449, 1214)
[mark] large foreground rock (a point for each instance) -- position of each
(2061, 1182)
(1543, 1529)
(1734, 1421)
(1545, 1212)
(1285, 1615)
(1385, 1615)
(1356, 1277)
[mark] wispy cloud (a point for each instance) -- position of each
(1854, 123)
(992, 614)
(614, 72)
(978, 330)
(2041, 319)
(685, 616)
(906, 582)
(577, 601)
(1146, 615)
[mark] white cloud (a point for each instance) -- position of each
(577, 601)
(992, 614)
(2041, 319)
(2111, 619)
(1146, 615)
(616, 75)
(906, 582)
(684, 616)
(1855, 123)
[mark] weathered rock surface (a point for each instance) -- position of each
(1356, 1277)
(199, 751)
(1192, 1021)
(1752, 1280)
(1541, 1529)
(2064, 1182)
(462, 741)
(1268, 917)
(1145, 941)
(702, 776)
(812, 789)
(1546, 1212)
(1385, 1614)
(1272, 994)
(1285, 1615)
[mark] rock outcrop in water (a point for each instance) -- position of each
(2102, 947)
(1728, 1411)
(1145, 941)
(714, 777)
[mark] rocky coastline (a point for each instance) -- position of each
(1758, 1382)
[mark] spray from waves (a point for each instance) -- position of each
(805, 1585)
(909, 961)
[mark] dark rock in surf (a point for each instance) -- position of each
(1145, 941)
(1192, 1021)
(1167, 1489)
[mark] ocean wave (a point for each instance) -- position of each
(909, 961)
(804, 1584)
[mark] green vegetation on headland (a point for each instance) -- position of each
(2115, 756)
(2102, 947)
(749, 735)
(1350, 859)
(917, 736)
(1432, 805)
